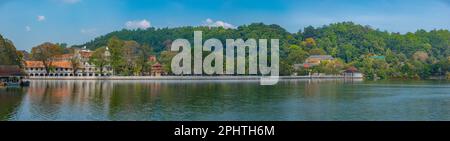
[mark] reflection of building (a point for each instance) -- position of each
(62, 65)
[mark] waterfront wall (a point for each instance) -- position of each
(182, 77)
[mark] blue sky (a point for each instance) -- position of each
(31, 22)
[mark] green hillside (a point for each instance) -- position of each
(412, 55)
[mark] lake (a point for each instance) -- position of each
(291, 100)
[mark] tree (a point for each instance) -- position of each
(131, 53)
(390, 56)
(331, 67)
(166, 60)
(45, 53)
(76, 65)
(296, 55)
(117, 46)
(286, 68)
(100, 59)
(309, 43)
(143, 61)
(317, 51)
(345, 40)
(349, 52)
(8, 53)
(420, 56)
(374, 68)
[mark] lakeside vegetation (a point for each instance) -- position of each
(377, 54)
(8, 53)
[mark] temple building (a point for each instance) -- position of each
(313, 60)
(157, 70)
(353, 72)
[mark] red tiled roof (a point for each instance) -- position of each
(34, 64)
(62, 64)
(306, 65)
(85, 54)
(157, 65)
(40, 64)
(351, 70)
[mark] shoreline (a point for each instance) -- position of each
(189, 78)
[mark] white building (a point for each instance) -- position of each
(62, 65)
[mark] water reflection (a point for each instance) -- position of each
(226, 100)
(10, 99)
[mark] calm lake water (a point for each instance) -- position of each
(227, 100)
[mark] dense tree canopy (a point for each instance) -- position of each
(378, 54)
(46, 52)
(8, 53)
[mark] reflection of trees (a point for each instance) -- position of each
(133, 97)
(10, 99)
(144, 100)
(55, 99)
(47, 97)
(174, 100)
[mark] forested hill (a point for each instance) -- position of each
(158, 39)
(345, 40)
(410, 55)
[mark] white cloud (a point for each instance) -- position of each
(143, 24)
(28, 28)
(71, 1)
(211, 23)
(41, 18)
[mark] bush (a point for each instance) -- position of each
(448, 75)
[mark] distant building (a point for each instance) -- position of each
(152, 59)
(10, 73)
(376, 57)
(157, 70)
(10, 70)
(86, 68)
(353, 72)
(313, 60)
